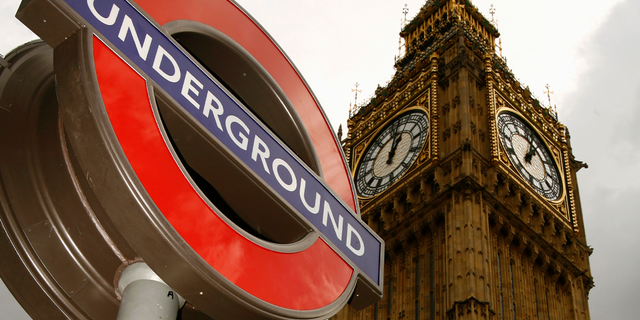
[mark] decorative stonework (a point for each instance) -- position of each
(572, 203)
(434, 108)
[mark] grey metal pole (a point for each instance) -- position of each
(145, 296)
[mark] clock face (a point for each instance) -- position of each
(529, 155)
(391, 153)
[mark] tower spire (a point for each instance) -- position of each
(525, 150)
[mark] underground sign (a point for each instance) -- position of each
(195, 145)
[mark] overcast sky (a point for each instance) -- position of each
(586, 50)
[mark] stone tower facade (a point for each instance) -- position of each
(482, 218)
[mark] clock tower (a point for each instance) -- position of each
(470, 181)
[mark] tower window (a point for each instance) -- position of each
(418, 287)
(375, 311)
(389, 295)
(500, 288)
(513, 292)
(535, 292)
(432, 302)
(548, 310)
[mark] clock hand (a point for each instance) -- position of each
(392, 152)
(530, 153)
(394, 145)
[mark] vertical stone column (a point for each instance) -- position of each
(467, 236)
(491, 109)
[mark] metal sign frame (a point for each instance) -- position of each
(106, 55)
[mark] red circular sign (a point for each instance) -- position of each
(306, 280)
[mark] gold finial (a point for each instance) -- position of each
(356, 91)
(492, 11)
(400, 44)
(494, 22)
(553, 108)
(403, 23)
(548, 93)
(405, 10)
